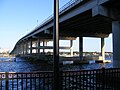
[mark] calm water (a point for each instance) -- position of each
(23, 66)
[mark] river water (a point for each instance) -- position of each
(25, 66)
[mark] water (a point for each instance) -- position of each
(24, 66)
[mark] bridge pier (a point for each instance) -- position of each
(116, 43)
(23, 49)
(71, 48)
(38, 45)
(81, 48)
(43, 46)
(103, 49)
(26, 47)
(30, 46)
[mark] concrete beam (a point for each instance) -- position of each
(49, 47)
(112, 13)
(99, 10)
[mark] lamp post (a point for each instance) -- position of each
(56, 46)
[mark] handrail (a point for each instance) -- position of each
(103, 79)
(64, 8)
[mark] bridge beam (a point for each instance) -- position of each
(116, 43)
(112, 13)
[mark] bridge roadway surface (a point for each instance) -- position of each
(81, 18)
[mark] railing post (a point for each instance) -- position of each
(103, 78)
(6, 81)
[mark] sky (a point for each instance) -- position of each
(19, 17)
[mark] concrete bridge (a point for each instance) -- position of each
(78, 18)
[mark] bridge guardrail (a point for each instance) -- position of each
(64, 8)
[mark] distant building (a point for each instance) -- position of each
(4, 50)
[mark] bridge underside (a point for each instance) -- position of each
(83, 25)
(87, 26)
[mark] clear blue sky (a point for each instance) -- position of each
(18, 17)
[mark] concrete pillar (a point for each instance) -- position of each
(23, 49)
(116, 43)
(30, 46)
(19, 49)
(26, 47)
(81, 48)
(71, 48)
(44, 44)
(103, 49)
(16, 49)
(38, 45)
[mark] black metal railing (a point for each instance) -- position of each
(26, 81)
(99, 79)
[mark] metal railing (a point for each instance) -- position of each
(64, 8)
(100, 79)
(26, 81)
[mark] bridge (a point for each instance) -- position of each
(78, 18)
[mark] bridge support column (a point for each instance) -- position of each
(71, 48)
(81, 48)
(23, 49)
(38, 50)
(30, 46)
(26, 48)
(43, 46)
(17, 49)
(103, 49)
(116, 43)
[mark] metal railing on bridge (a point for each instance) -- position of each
(64, 8)
(99, 79)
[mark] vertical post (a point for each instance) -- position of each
(17, 48)
(38, 45)
(36, 51)
(30, 46)
(56, 46)
(43, 46)
(116, 43)
(26, 48)
(71, 49)
(6, 81)
(81, 48)
(103, 49)
(23, 48)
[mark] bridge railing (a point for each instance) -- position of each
(64, 8)
(100, 79)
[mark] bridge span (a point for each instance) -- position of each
(78, 18)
